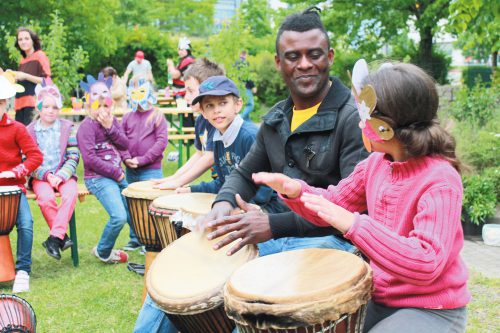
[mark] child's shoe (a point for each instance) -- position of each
(116, 256)
(21, 283)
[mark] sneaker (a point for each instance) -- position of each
(131, 246)
(21, 283)
(116, 256)
(67, 242)
(143, 251)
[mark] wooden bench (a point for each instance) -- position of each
(82, 193)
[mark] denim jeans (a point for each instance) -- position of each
(138, 175)
(294, 243)
(383, 319)
(248, 106)
(152, 319)
(24, 226)
(109, 194)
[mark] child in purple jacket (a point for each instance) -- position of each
(102, 144)
(146, 130)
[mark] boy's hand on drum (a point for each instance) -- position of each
(338, 217)
(279, 182)
(168, 185)
(186, 189)
(7, 174)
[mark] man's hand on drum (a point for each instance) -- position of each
(338, 217)
(285, 185)
(132, 163)
(252, 227)
(7, 174)
(185, 189)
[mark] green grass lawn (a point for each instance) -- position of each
(96, 297)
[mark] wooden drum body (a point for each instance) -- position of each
(139, 196)
(309, 290)
(186, 281)
(9, 208)
(171, 214)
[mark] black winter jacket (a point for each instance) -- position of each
(321, 151)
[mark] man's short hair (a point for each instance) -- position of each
(202, 69)
(300, 22)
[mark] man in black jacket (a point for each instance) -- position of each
(313, 135)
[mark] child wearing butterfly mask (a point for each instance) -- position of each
(102, 144)
(56, 138)
(411, 187)
(146, 130)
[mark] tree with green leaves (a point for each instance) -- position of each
(368, 25)
(477, 24)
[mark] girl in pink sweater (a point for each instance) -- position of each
(411, 188)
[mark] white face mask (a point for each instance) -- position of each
(142, 95)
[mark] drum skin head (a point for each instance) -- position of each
(144, 190)
(307, 286)
(192, 203)
(188, 276)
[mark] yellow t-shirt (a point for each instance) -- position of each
(301, 116)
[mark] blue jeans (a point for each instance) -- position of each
(248, 106)
(152, 319)
(138, 175)
(294, 243)
(109, 194)
(24, 226)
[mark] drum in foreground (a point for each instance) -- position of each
(16, 315)
(186, 281)
(9, 207)
(139, 196)
(175, 215)
(309, 290)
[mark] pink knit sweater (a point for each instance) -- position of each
(412, 233)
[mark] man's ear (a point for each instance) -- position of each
(277, 62)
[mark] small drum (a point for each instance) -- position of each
(139, 196)
(309, 290)
(9, 207)
(175, 215)
(186, 281)
(16, 315)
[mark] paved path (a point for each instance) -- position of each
(482, 258)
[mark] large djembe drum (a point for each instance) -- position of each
(186, 281)
(16, 315)
(175, 215)
(9, 207)
(139, 196)
(305, 291)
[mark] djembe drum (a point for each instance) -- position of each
(9, 207)
(186, 281)
(139, 196)
(16, 315)
(175, 215)
(301, 291)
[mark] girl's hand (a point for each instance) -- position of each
(186, 189)
(105, 118)
(338, 217)
(54, 181)
(122, 177)
(7, 174)
(279, 182)
(132, 163)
